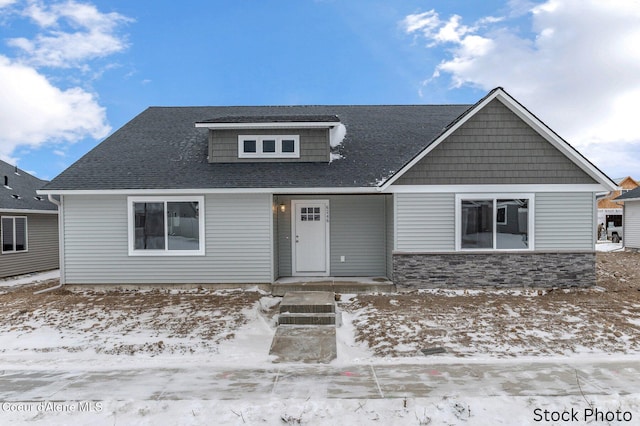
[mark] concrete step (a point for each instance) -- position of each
(309, 344)
(308, 302)
(287, 318)
(342, 287)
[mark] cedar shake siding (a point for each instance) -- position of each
(494, 146)
(314, 145)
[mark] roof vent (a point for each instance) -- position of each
(15, 171)
(37, 197)
(16, 196)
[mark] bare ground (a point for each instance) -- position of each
(126, 322)
(604, 319)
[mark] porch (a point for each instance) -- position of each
(339, 238)
(333, 284)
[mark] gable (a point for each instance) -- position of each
(494, 146)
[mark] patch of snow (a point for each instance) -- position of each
(607, 247)
(30, 278)
(335, 156)
(337, 134)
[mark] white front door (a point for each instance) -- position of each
(310, 237)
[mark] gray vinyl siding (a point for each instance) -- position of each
(314, 145)
(42, 246)
(237, 233)
(425, 222)
(357, 231)
(494, 147)
(564, 221)
(631, 226)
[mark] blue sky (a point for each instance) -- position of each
(72, 72)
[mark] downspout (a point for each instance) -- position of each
(60, 245)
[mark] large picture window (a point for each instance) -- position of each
(166, 226)
(494, 222)
(14, 234)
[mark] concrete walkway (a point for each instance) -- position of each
(324, 381)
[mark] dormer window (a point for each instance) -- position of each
(268, 146)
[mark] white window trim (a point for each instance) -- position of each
(260, 138)
(494, 197)
(165, 252)
(26, 235)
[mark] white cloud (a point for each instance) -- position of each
(33, 111)
(4, 3)
(73, 33)
(579, 72)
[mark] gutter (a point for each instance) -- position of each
(60, 239)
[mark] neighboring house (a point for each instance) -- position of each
(631, 224)
(28, 224)
(609, 209)
(425, 195)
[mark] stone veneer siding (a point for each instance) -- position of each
(468, 270)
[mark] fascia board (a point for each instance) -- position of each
(27, 211)
(275, 125)
(300, 190)
(497, 188)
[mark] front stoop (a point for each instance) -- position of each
(306, 328)
(332, 286)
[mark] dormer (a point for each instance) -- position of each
(276, 138)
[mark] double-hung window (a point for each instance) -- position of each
(166, 226)
(494, 221)
(269, 146)
(14, 234)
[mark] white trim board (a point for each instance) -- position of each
(398, 189)
(276, 191)
(331, 190)
(27, 211)
(270, 125)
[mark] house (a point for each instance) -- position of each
(28, 224)
(631, 224)
(425, 195)
(609, 209)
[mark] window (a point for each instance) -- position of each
(14, 234)
(166, 226)
(268, 146)
(310, 214)
(501, 222)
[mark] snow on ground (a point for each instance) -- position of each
(607, 246)
(30, 278)
(446, 410)
(197, 328)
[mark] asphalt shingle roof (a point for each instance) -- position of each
(635, 193)
(20, 191)
(162, 149)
